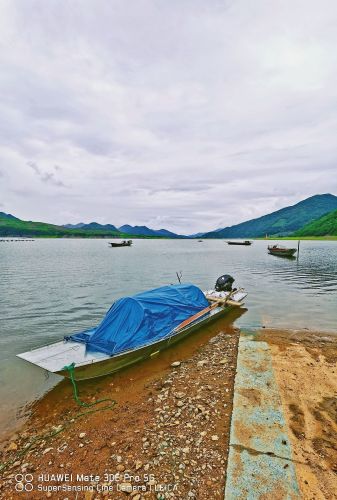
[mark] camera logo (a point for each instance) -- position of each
(24, 482)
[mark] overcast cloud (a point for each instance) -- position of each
(184, 114)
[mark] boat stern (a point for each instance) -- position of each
(55, 357)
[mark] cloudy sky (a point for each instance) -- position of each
(184, 114)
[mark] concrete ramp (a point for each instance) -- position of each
(260, 460)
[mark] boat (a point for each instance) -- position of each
(136, 328)
(281, 251)
(245, 243)
(124, 243)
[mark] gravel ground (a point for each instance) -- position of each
(168, 438)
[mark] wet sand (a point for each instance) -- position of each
(306, 372)
(167, 436)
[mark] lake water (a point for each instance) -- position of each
(50, 288)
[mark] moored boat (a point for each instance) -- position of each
(245, 243)
(281, 251)
(125, 243)
(136, 328)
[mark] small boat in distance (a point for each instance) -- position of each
(245, 243)
(136, 328)
(125, 243)
(281, 251)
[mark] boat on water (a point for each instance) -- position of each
(124, 243)
(245, 243)
(136, 328)
(281, 251)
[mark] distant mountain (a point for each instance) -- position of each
(146, 231)
(324, 226)
(92, 226)
(139, 230)
(126, 229)
(168, 234)
(7, 216)
(195, 235)
(74, 226)
(12, 226)
(315, 216)
(282, 222)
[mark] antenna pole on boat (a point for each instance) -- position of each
(179, 275)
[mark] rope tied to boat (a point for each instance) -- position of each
(71, 369)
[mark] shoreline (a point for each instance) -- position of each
(7, 238)
(173, 422)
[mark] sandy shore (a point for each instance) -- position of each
(167, 436)
(305, 367)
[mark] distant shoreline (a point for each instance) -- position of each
(141, 237)
(298, 238)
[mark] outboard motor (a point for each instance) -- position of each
(224, 283)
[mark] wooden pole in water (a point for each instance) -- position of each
(298, 248)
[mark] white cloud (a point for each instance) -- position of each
(190, 115)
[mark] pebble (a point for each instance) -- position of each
(126, 487)
(179, 395)
(175, 364)
(82, 435)
(47, 450)
(12, 447)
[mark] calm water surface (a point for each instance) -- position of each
(50, 288)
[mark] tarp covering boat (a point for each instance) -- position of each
(135, 321)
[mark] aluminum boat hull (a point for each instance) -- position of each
(56, 356)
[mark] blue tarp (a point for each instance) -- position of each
(142, 319)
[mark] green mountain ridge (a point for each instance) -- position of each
(283, 222)
(314, 216)
(12, 226)
(323, 226)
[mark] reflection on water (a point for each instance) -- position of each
(50, 288)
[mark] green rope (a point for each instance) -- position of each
(71, 369)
